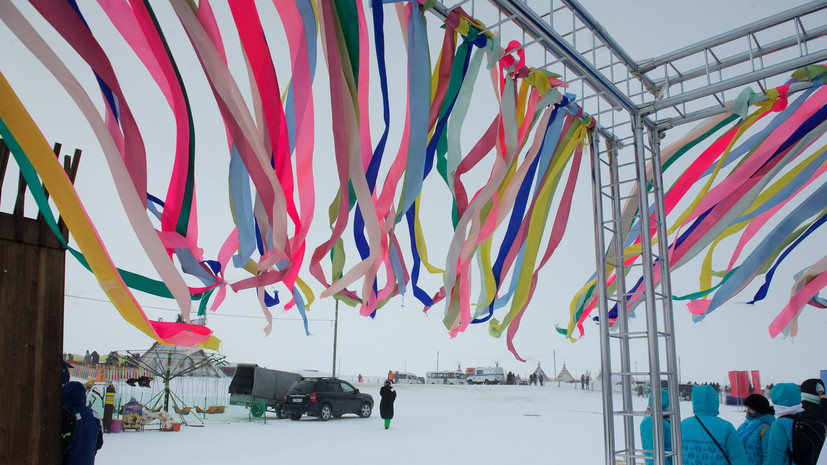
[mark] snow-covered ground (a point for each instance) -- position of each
(433, 424)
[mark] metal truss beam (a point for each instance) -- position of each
(596, 60)
(685, 83)
(669, 123)
(648, 65)
(650, 97)
(695, 79)
(563, 50)
(732, 83)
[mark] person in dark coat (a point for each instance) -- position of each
(88, 437)
(388, 394)
(813, 399)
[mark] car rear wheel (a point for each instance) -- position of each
(295, 416)
(280, 412)
(365, 411)
(325, 412)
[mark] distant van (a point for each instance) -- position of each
(445, 377)
(487, 375)
(406, 378)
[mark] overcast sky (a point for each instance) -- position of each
(401, 337)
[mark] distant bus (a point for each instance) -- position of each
(401, 377)
(445, 377)
(487, 375)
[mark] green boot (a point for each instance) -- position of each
(387, 423)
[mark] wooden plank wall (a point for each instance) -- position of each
(32, 272)
(31, 341)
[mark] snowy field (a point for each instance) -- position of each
(433, 425)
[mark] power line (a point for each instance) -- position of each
(227, 315)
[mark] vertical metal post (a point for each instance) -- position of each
(647, 195)
(166, 381)
(622, 306)
(649, 291)
(556, 373)
(672, 359)
(603, 305)
(335, 336)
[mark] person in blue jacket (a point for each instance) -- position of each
(706, 438)
(787, 400)
(87, 437)
(646, 430)
(755, 430)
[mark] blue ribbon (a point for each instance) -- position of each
(762, 291)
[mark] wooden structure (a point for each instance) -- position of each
(32, 270)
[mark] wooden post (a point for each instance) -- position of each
(32, 272)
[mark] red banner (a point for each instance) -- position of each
(756, 382)
(739, 382)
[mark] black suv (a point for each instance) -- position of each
(325, 398)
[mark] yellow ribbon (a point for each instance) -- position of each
(33, 144)
(537, 223)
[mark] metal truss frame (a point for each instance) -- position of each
(634, 103)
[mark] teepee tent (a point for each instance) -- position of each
(540, 374)
(564, 375)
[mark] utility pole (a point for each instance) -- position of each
(556, 373)
(437, 360)
(335, 335)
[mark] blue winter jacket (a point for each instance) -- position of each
(83, 448)
(697, 446)
(755, 434)
(781, 433)
(646, 430)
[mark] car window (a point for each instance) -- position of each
(304, 385)
(347, 388)
(333, 386)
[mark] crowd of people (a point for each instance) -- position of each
(94, 358)
(789, 431)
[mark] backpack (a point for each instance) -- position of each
(808, 438)
(68, 428)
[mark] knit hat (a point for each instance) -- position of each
(811, 389)
(759, 404)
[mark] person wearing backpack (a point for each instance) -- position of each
(87, 437)
(755, 430)
(796, 437)
(706, 438)
(813, 399)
